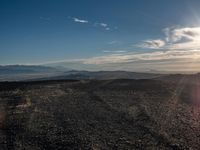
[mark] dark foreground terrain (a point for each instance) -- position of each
(95, 115)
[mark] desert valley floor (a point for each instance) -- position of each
(99, 115)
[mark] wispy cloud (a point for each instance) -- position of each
(114, 42)
(182, 34)
(80, 20)
(145, 57)
(187, 38)
(152, 44)
(162, 60)
(182, 38)
(114, 51)
(94, 24)
(103, 24)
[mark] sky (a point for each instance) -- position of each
(132, 35)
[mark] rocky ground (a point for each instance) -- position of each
(99, 115)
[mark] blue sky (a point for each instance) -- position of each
(100, 34)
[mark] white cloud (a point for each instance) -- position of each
(186, 38)
(80, 20)
(103, 24)
(114, 42)
(96, 24)
(114, 51)
(145, 57)
(182, 34)
(152, 44)
(171, 60)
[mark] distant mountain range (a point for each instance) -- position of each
(105, 75)
(23, 69)
(30, 72)
(26, 72)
